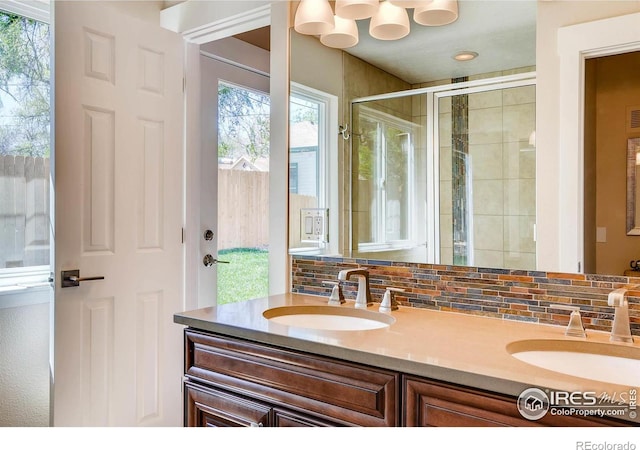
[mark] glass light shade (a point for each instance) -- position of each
(344, 34)
(356, 9)
(436, 13)
(389, 23)
(314, 17)
(410, 3)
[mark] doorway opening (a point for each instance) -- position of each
(243, 193)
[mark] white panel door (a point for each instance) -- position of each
(119, 214)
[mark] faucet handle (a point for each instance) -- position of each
(575, 327)
(389, 300)
(337, 297)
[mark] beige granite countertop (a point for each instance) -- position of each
(452, 347)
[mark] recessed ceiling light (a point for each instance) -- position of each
(465, 56)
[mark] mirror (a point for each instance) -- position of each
(633, 187)
(382, 195)
(552, 16)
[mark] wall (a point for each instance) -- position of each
(24, 359)
(508, 294)
(502, 178)
(551, 17)
(617, 88)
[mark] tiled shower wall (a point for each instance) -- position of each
(501, 177)
(520, 295)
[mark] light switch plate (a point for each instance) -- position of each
(601, 234)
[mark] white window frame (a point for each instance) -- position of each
(13, 280)
(328, 173)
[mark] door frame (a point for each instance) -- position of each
(199, 23)
(576, 43)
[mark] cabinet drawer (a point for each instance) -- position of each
(206, 407)
(283, 418)
(433, 404)
(341, 392)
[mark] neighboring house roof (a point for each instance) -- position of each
(243, 163)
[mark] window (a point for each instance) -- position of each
(384, 151)
(25, 146)
(312, 147)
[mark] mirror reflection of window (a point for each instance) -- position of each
(383, 147)
(307, 162)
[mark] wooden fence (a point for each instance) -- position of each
(243, 210)
(24, 211)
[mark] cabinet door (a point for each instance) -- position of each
(434, 404)
(206, 407)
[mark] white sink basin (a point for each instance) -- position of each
(336, 318)
(609, 363)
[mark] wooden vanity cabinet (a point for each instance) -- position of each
(298, 389)
(233, 382)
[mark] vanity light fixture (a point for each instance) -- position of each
(410, 3)
(390, 23)
(356, 9)
(436, 13)
(314, 17)
(389, 18)
(343, 35)
(465, 56)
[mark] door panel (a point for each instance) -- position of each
(118, 141)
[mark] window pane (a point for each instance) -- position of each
(24, 142)
(396, 183)
(305, 126)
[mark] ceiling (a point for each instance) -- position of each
(502, 32)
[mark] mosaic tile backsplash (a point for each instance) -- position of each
(500, 293)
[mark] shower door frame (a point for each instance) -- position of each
(433, 95)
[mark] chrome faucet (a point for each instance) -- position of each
(363, 298)
(621, 328)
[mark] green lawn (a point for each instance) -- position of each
(245, 277)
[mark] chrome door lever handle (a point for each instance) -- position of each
(209, 261)
(71, 278)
